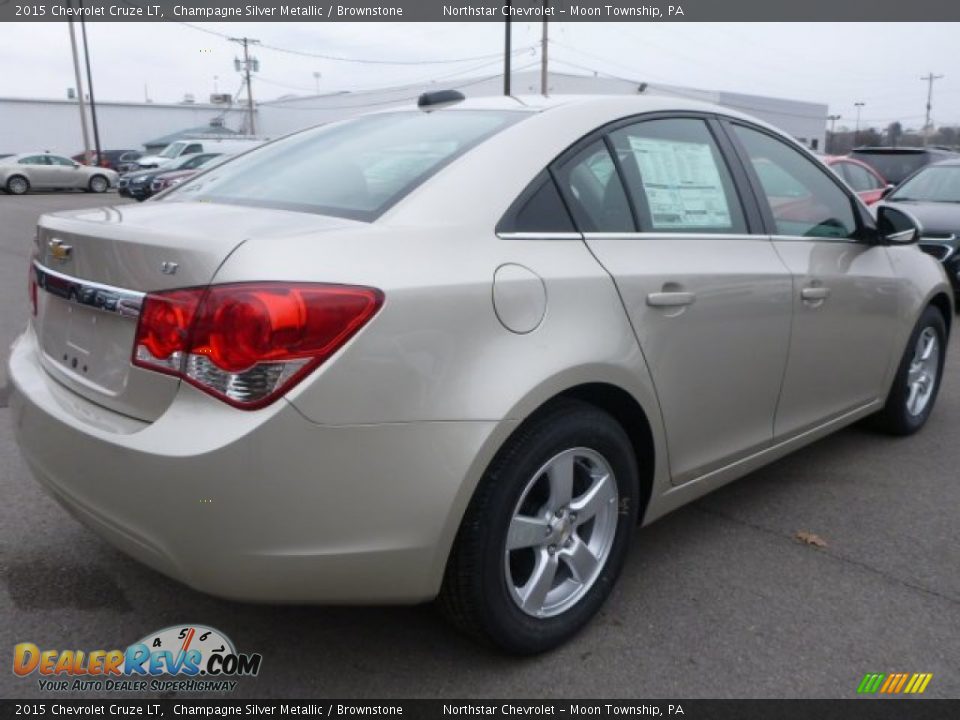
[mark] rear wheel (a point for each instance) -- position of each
(98, 184)
(915, 387)
(546, 533)
(17, 185)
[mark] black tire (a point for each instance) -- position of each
(17, 185)
(98, 184)
(896, 418)
(475, 594)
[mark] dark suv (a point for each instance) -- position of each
(896, 163)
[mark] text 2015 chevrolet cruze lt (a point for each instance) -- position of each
(463, 350)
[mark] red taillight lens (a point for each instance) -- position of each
(249, 343)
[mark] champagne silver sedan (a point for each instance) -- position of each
(462, 350)
(44, 171)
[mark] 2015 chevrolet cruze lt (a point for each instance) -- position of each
(463, 350)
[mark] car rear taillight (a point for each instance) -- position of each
(249, 343)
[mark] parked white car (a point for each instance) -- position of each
(182, 148)
(45, 171)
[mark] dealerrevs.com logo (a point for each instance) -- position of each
(181, 658)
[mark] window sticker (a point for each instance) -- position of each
(683, 184)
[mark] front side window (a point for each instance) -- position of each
(194, 148)
(591, 185)
(803, 199)
(677, 178)
(355, 169)
(57, 160)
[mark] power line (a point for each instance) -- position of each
(366, 61)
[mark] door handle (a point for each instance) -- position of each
(815, 293)
(670, 299)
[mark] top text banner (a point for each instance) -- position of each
(482, 11)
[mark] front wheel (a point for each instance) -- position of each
(546, 533)
(915, 387)
(98, 184)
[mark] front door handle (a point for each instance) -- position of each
(815, 293)
(670, 299)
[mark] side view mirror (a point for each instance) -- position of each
(897, 227)
(887, 190)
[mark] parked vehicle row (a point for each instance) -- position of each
(142, 184)
(46, 171)
(405, 368)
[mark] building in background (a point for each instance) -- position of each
(52, 124)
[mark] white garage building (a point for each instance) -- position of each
(42, 124)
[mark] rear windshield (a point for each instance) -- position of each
(355, 169)
(894, 166)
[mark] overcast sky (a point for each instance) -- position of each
(879, 64)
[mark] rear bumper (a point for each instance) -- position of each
(261, 506)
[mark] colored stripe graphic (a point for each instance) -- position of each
(894, 683)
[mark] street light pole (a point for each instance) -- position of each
(856, 132)
(833, 134)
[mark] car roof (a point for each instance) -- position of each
(627, 104)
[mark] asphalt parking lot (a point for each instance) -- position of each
(717, 600)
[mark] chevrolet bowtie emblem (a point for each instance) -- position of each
(59, 251)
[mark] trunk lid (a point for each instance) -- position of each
(96, 265)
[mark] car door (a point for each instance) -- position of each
(65, 173)
(38, 171)
(709, 300)
(845, 291)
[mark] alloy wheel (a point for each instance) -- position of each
(922, 375)
(561, 532)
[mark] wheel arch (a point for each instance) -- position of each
(942, 302)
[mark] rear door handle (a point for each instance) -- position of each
(670, 299)
(815, 293)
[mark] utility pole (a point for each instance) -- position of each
(929, 79)
(543, 52)
(856, 132)
(83, 112)
(833, 122)
(506, 50)
(93, 101)
(248, 64)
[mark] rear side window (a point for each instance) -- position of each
(539, 209)
(356, 169)
(804, 199)
(860, 179)
(677, 178)
(591, 186)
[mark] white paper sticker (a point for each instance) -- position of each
(682, 183)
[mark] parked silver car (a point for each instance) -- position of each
(463, 350)
(45, 171)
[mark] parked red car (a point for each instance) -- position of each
(865, 181)
(118, 160)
